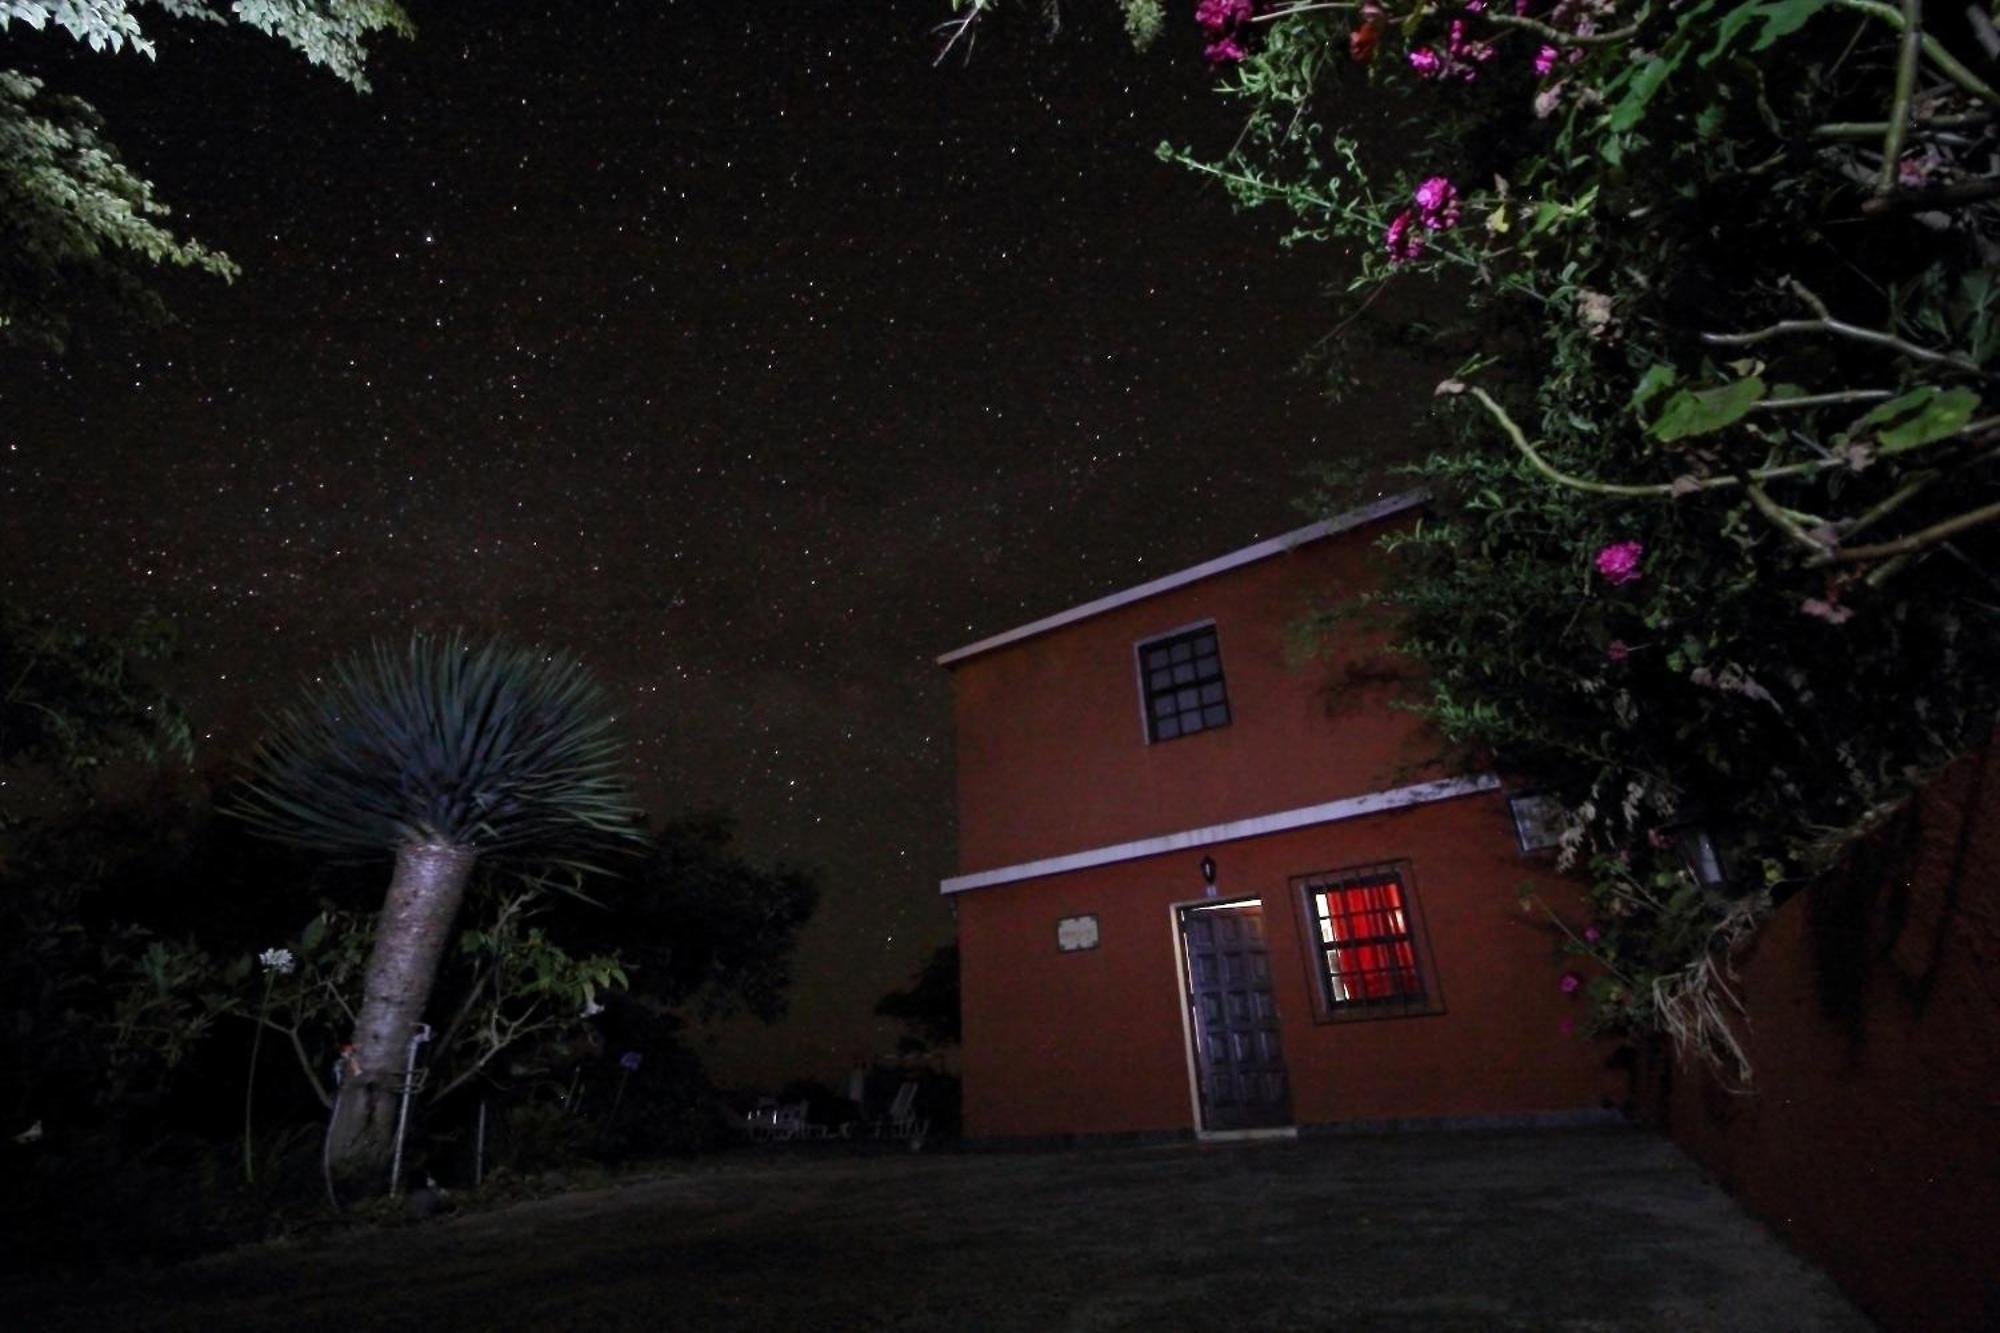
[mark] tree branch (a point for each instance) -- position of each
(1825, 323)
(1277, 14)
(1906, 86)
(1770, 509)
(1556, 36)
(1655, 490)
(1824, 399)
(1869, 517)
(305, 1063)
(1875, 129)
(1943, 59)
(1956, 194)
(1916, 541)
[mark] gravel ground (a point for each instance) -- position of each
(1554, 1231)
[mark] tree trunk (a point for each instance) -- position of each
(410, 936)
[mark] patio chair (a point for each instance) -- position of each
(793, 1124)
(762, 1122)
(903, 1122)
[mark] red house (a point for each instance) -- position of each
(1204, 886)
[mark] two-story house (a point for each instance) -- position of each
(1205, 885)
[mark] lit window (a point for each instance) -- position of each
(1364, 936)
(1182, 678)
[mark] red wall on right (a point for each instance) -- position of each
(1872, 1140)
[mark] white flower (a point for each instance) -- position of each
(591, 1008)
(278, 960)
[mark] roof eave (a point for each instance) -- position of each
(1386, 507)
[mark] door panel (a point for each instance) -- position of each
(1239, 1060)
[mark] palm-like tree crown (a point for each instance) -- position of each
(489, 748)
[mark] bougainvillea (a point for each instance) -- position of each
(1713, 549)
(1618, 563)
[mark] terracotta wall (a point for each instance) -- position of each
(1092, 1042)
(1052, 751)
(1872, 1139)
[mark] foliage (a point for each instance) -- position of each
(507, 984)
(1715, 541)
(146, 943)
(75, 704)
(444, 756)
(147, 947)
(79, 224)
(929, 1005)
(487, 747)
(707, 932)
(77, 701)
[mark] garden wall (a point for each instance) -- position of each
(1872, 1141)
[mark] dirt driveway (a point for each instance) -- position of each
(1550, 1231)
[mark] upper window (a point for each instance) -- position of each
(1363, 933)
(1182, 678)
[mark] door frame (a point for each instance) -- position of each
(1184, 1001)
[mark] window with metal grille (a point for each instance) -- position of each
(1182, 678)
(1364, 932)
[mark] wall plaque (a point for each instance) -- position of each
(1074, 933)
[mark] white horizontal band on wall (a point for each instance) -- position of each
(1351, 807)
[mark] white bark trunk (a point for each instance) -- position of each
(410, 935)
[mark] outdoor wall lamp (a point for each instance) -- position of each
(1208, 876)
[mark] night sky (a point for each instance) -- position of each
(734, 347)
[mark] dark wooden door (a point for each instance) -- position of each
(1238, 1059)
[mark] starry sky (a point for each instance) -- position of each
(739, 349)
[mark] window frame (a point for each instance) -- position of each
(1143, 677)
(1428, 1000)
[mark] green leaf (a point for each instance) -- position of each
(1658, 376)
(310, 937)
(1708, 410)
(1781, 18)
(1652, 73)
(1921, 416)
(1784, 18)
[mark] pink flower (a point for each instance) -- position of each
(1405, 240)
(1222, 20)
(1437, 204)
(1458, 46)
(1617, 650)
(1619, 562)
(1459, 59)
(1218, 16)
(1913, 171)
(1592, 934)
(1570, 983)
(1475, 6)
(1545, 59)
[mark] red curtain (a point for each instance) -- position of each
(1367, 940)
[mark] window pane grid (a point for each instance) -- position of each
(1366, 950)
(1185, 692)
